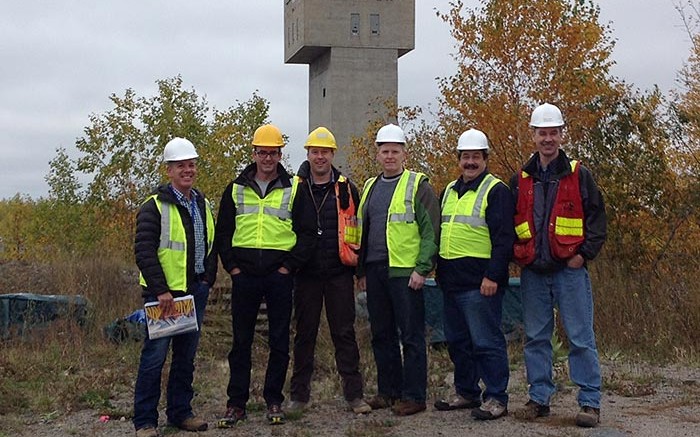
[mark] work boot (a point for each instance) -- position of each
(378, 402)
(588, 417)
(275, 415)
(407, 407)
(296, 406)
(458, 402)
(193, 423)
(490, 410)
(147, 431)
(232, 417)
(531, 411)
(359, 406)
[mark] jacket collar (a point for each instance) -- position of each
(304, 172)
(247, 176)
(560, 167)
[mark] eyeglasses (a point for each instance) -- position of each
(263, 154)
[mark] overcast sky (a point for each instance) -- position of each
(59, 62)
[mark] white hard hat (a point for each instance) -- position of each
(473, 139)
(546, 115)
(179, 149)
(390, 133)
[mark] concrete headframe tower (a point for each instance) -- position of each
(352, 48)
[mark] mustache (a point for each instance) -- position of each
(470, 167)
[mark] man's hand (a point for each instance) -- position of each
(234, 271)
(575, 262)
(362, 283)
(488, 287)
(283, 270)
(166, 304)
(416, 281)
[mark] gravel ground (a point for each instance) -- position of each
(657, 402)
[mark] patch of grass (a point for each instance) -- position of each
(64, 366)
(96, 399)
(632, 385)
(652, 315)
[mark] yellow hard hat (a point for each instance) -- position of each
(321, 137)
(268, 135)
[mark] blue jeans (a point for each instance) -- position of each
(246, 295)
(476, 343)
(397, 312)
(179, 392)
(570, 290)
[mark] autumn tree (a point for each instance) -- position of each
(513, 55)
(120, 153)
(684, 153)
(15, 216)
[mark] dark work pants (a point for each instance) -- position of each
(397, 314)
(310, 293)
(246, 296)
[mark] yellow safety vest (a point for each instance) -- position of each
(172, 250)
(264, 223)
(402, 233)
(463, 229)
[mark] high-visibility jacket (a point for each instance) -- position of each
(565, 222)
(264, 223)
(172, 250)
(463, 231)
(402, 233)
(348, 231)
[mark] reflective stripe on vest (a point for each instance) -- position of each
(466, 234)
(172, 249)
(564, 225)
(402, 233)
(264, 223)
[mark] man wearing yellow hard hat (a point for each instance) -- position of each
(262, 241)
(328, 277)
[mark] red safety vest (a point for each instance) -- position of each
(565, 228)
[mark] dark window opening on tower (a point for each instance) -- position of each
(355, 24)
(324, 92)
(374, 24)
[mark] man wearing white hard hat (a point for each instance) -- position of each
(399, 217)
(476, 245)
(173, 250)
(560, 225)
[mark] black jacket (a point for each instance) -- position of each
(325, 260)
(148, 239)
(264, 261)
(545, 189)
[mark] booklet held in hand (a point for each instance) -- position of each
(181, 320)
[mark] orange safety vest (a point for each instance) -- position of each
(348, 235)
(565, 228)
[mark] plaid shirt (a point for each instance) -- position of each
(200, 245)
